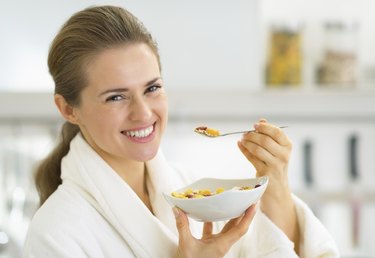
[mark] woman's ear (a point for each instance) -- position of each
(66, 110)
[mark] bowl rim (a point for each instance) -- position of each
(263, 179)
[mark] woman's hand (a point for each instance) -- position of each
(269, 149)
(210, 245)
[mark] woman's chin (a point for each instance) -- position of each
(146, 155)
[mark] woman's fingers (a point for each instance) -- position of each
(259, 151)
(240, 227)
(232, 223)
(207, 229)
(262, 120)
(258, 164)
(211, 245)
(272, 131)
(182, 224)
(266, 144)
(262, 146)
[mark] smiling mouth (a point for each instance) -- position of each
(139, 133)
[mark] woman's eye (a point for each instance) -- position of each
(115, 98)
(153, 88)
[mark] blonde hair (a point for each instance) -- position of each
(84, 35)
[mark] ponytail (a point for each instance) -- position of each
(48, 173)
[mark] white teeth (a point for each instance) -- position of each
(141, 133)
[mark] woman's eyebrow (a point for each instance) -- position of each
(117, 90)
(152, 81)
(113, 90)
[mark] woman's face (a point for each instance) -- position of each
(123, 111)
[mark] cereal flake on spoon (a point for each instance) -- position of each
(207, 131)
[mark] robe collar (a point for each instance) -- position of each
(146, 234)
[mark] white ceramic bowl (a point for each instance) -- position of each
(224, 206)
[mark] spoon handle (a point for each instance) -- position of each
(249, 131)
(225, 134)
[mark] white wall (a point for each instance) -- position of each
(209, 43)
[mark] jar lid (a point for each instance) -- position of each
(287, 26)
(341, 25)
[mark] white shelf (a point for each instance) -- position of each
(291, 104)
(306, 105)
(34, 107)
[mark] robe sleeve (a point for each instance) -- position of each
(39, 246)
(52, 233)
(265, 240)
(316, 241)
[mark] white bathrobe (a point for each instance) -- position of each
(94, 213)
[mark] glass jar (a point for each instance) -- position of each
(339, 65)
(284, 64)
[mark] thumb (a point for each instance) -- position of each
(256, 162)
(182, 223)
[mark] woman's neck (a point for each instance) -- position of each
(133, 172)
(135, 175)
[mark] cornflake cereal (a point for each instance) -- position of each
(194, 194)
(207, 131)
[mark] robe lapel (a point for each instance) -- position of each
(117, 202)
(162, 179)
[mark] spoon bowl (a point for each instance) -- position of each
(213, 133)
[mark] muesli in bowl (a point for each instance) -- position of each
(215, 199)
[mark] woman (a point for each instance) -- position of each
(101, 187)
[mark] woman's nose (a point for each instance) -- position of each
(140, 110)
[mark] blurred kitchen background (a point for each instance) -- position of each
(306, 64)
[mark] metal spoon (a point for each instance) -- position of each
(212, 133)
